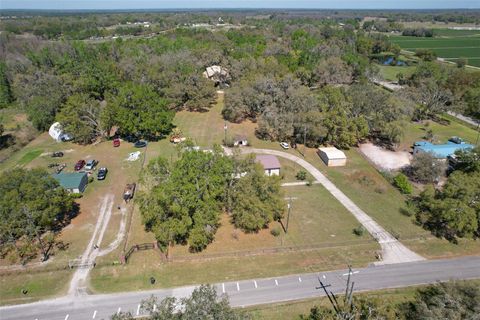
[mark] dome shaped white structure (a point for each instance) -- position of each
(56, 131)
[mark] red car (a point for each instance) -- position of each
(79, 165)
(116, 142)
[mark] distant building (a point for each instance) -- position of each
(240, 140)
(270, 164)
(441, 151)
(74, 182)
(217, 74)
(332, 156)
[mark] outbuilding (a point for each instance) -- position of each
(270, 164)
(240, 140)
(73, 182)
(332, 156)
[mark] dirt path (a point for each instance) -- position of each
(90, 253)
(392, 250)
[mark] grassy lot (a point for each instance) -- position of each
(389, 73)
(29, 156)
(40, 284)
(319, 227)
(136, 274)
(450, 45)
(318, 223)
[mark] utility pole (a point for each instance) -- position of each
(478, 134)
(304, 139)
(289, 206)
(225, 129)
(347, 311)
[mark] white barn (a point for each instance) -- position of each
(332, 156)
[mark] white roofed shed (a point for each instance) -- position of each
(332, 156)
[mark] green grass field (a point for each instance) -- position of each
(449, 44)
(29, 156)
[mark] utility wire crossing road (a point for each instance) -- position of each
(256, 291)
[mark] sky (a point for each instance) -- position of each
(193, 4)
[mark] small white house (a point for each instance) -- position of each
(270, 164)
(240, 140)
(332, 156)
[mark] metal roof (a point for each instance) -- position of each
(70, 180)
(443, 150)
(333, 153)
(268, 161)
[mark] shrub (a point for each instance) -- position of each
(401, 183)
(301, 175)
(275, 232)
(309, 181)
(359, 231)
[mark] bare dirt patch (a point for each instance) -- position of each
(385, 159)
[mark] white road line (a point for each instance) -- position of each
(223, 287)
(138, 310)
(299, 279)
(354, 272)
(119, 309)
(238, 286)
(66, 317)
(276, 282)
(94, 314)
(255, 283)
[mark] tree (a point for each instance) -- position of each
(140, 111)
(401, 182)
(425, 168)
(344, 132)
(257, 199)
(451, 300)
(187, 204)
(432, 99)
(202, 304)
(81, 115)
(426, 54)
(467, 161)
(454, 211)
(32, 210)
(6, 96)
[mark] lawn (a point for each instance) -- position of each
(450, 45)
(39, 284)
(389, 73)
(29, 156)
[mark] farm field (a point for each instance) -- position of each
(451, 45)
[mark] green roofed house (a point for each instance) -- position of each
(74, 182)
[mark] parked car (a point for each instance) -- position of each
(140, 144)
(57, 154)
(284, 145)
(116, 142)
(79, 165)
(66, 137)
(102, 173)
(91, 164)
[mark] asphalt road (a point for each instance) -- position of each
(255, 291)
